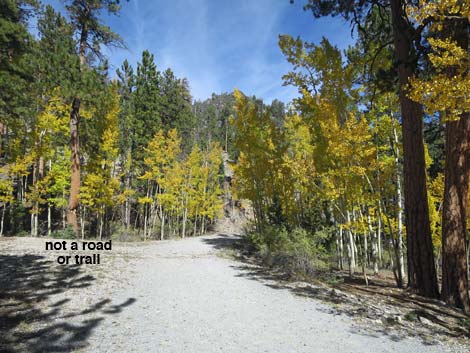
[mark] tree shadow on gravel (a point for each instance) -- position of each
(225, 242)
(377, 321)
(384, 309)
(32, 320)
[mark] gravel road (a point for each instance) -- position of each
(188, 299)
(170, 297)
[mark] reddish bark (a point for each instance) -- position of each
(421, 270)
(454, 210)
(75, 160)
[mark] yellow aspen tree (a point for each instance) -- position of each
(50, 128)
(155, 161)
(297, 173)
(100, 187)
(194, 163)
(192, 175)
(6, 194)
(255, 172)
(213, 203)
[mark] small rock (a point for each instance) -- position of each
(425, 321)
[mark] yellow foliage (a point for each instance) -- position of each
(184, 186)
(100, 186)
(445, 91)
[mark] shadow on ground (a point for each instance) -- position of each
(387, 310)
(225, 242)
(31, 321)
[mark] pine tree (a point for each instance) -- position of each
(126, 88)
(91, 33)
(146, 120)
(445, 92)
(15, 72)
(176, 109)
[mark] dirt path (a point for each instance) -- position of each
(172, 296)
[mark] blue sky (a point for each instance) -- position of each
(220, 44)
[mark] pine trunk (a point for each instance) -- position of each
(454, 210)
(75, 162)
(421, 270)
(74, 136)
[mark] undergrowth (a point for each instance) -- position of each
(296, 251)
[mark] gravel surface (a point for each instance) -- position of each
(190, 300)
(181, 296)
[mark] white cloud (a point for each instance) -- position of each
(219, 44)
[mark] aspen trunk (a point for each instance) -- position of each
(2, 220)
(185, 216)
(34, 208)
(203, 225)
(339, 242)
(170, 225)
(379, 236)
(373, 235)
(64, 213)
(162, 229)
(101, 226)
(34, 224)
(341, 249)
(40, 177)
(195, 226)
(351, 255)
(364, 271)
(337, 250)
(49, 211)
(82, 223)
(127, 218)
(366, 249)
(355, 240)
(146, 211)
(399, 242)
(145, 221)
(127, 204)
(393, 243)
(49, 220)
(154, 219)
